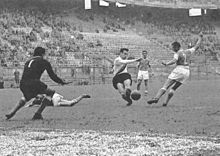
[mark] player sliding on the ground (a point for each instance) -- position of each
(122, 79)
(143, 71)
(30, 83)
(57, 100)
(180, 73)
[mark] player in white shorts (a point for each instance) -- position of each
(179, 74)
(143, 71)
(57, 100)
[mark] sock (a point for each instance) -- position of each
(160, 93)
(169, 96)
(43, 105)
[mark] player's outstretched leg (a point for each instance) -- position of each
(169, 96)
(162, 91)
(78, 99)
(127, 84)
(146, 87)
(171, 93)
(128, 96)
(122, 91)
(20, 104)
(158, 96)
(67, 103)
(139, 84)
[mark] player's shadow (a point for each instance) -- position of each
(217, 113)
(155, 106)
(159, 106)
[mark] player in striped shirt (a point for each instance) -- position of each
(122, 79)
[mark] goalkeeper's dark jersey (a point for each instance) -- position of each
(35, 67)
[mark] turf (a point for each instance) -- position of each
(194, 111)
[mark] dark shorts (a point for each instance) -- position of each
(1, 85)
(31, 88)
(120, 78)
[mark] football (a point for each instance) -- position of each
(135, 95)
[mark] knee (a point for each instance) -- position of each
(139, 83)
(171, 92)
(127, 85)
(49, 92)
(163, 89)
(121, 92)
(47, 102)
(23, 99)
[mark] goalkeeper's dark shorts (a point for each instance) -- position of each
(120, 78)
(31, 88)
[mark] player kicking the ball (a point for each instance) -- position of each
(180, 73)
(30, 83)
(57, 100)
(143, 71)
(122, 79)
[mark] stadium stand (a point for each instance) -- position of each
(68, 29)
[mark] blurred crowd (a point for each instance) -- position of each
(185, 1)
(26, 24)
(168, 25)
(24, 28)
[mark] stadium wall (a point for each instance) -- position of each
(207, 4)
(89, 75)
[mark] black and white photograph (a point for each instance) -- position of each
(109, 77)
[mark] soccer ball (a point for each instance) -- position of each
(135, 95)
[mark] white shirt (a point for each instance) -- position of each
(118, 65)
(183, 56)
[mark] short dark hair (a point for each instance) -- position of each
(123, 49)
(39, 51)
(145, 51)
(176, 44)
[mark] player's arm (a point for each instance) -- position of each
(171, 62)
(52, 75)
(118, 62)
(150, 69)
(110, 60)
(217, 72)
(138, 65)
(198, 43)
(137, 69)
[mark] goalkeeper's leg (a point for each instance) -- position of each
(171, 93)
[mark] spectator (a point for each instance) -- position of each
(17, 77)
(1, 78)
